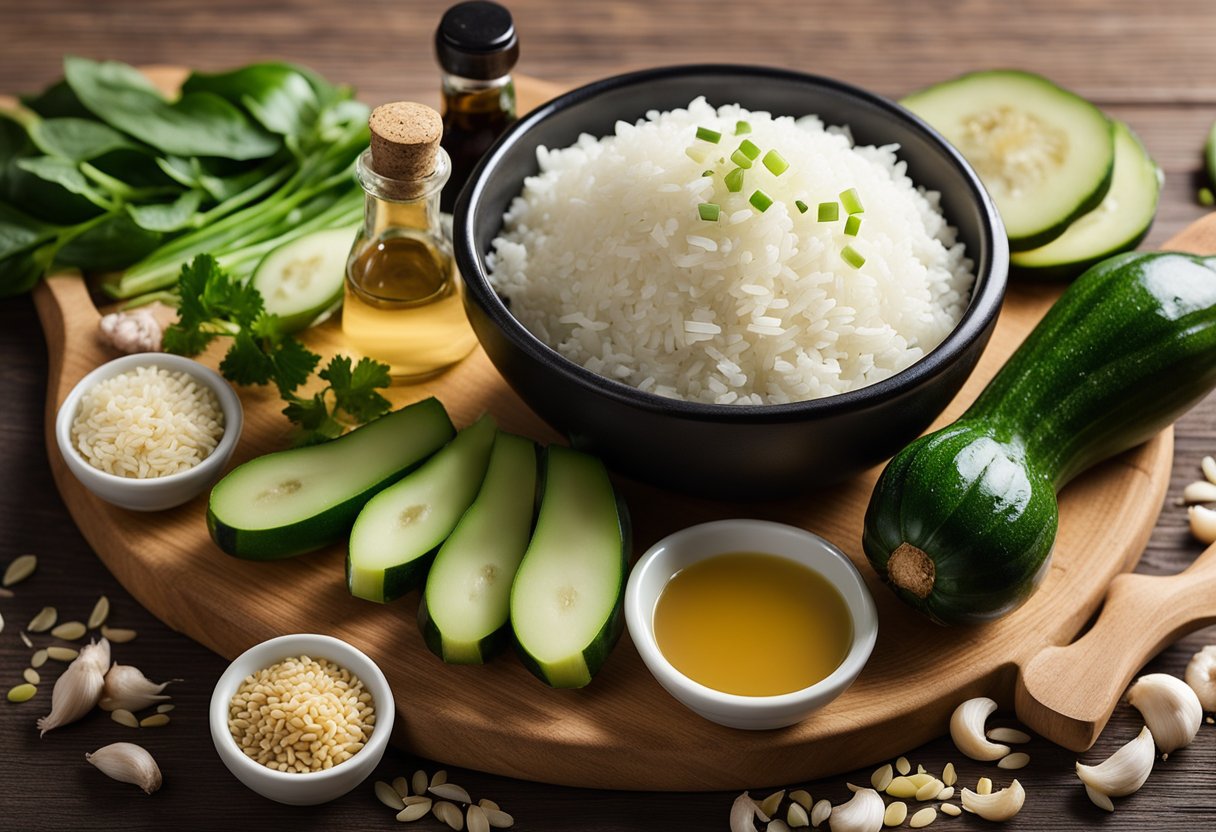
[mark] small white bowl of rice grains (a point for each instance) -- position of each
(301, 719)
(149, 431)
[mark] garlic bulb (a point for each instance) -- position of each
(967, 730)
(128, 688)
(864, 813)
(743, 813)
(997, 806)
(128, 763)
(1201, 676)
(78, 688)
(1124, 771)
(135, 330)
(1169, 707)
(1203, 523)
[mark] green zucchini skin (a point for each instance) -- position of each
(1128, 348)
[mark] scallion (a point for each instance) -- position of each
(740, 159)
(749, 149)
(852, 256)
(734, 180)
(852, 225)
(742, 128)
(707, 173)
(709, 211)
(775, 163)
(802, 206)
(707, 135)
(829, 211)
(852, 202)
(760, 200)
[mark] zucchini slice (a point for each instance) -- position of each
(302, 281)
(1045, 154)
(399, 530)
(294, 501)
(567, 596)
(1117, 225)
(465, 607)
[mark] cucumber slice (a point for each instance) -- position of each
(302, 281)
(290, 502)
(398, 531)
(464, 610)
(567, 596)
(1118, 224)
(1045, 154)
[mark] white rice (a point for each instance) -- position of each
(603, 257)
(147, 422)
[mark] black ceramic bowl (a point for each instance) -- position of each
(729, 450)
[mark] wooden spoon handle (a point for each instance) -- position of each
(1067, 693)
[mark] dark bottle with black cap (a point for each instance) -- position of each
(477, 48)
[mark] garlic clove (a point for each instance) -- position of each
(1203, 523)
(820, 812)
(1170, 709)
(997, 806)
(1209, 468)
(127, 763)
(132, 331)
(1201, 676)
(1200, 491)
(1102, 801)
(126, 687)
(967, 730)
(743, 814)
(1124, 771)
(78, 688)
(863, 813)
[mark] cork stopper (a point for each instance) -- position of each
(405, 140)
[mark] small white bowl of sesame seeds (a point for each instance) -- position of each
(302, 719)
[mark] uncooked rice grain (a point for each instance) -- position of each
(301, 715)
(147, 423)
(605, 258)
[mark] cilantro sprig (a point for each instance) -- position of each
(216, 305)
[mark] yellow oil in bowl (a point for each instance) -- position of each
(752, 624)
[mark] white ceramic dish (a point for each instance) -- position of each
(314, 787)
(688, 546)
(156, 493)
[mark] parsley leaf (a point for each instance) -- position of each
(214, 304)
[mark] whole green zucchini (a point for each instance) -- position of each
(962, 521)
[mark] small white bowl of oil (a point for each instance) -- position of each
(749, 623)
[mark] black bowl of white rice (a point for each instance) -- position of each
(730, 281)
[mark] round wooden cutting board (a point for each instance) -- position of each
(623, 731)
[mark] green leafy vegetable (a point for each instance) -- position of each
(215, 304)
(76, 139)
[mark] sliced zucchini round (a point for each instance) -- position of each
(302, 280)
(1045, 154)
(1117, 225)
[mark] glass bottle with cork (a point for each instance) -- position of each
(403, 302)
(477, 48)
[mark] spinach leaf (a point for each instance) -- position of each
(19, 272)
(40, 194)
(278, 96)
(115, 243)
(14, 141)
(76, 139)
(197, 124)
(65, 174)
(168, 216)
(180, 169)
(137, 168)
(57, 101)
(19, 232)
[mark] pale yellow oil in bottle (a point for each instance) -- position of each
(752, 624)
(403, 306)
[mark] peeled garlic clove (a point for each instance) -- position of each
(1203, 523)
(744, 812)
(1124, 771)
(1201, 676)
(127, 763)
(1200, 491)
(864, 813)
(997, 806)
(1169, 707)
(128, 688)
(78, 688)
(967, 730)
(1102, 801)
(1209, 468)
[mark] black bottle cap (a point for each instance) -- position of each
(477, 40)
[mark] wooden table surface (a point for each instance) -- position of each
(1147, 63)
